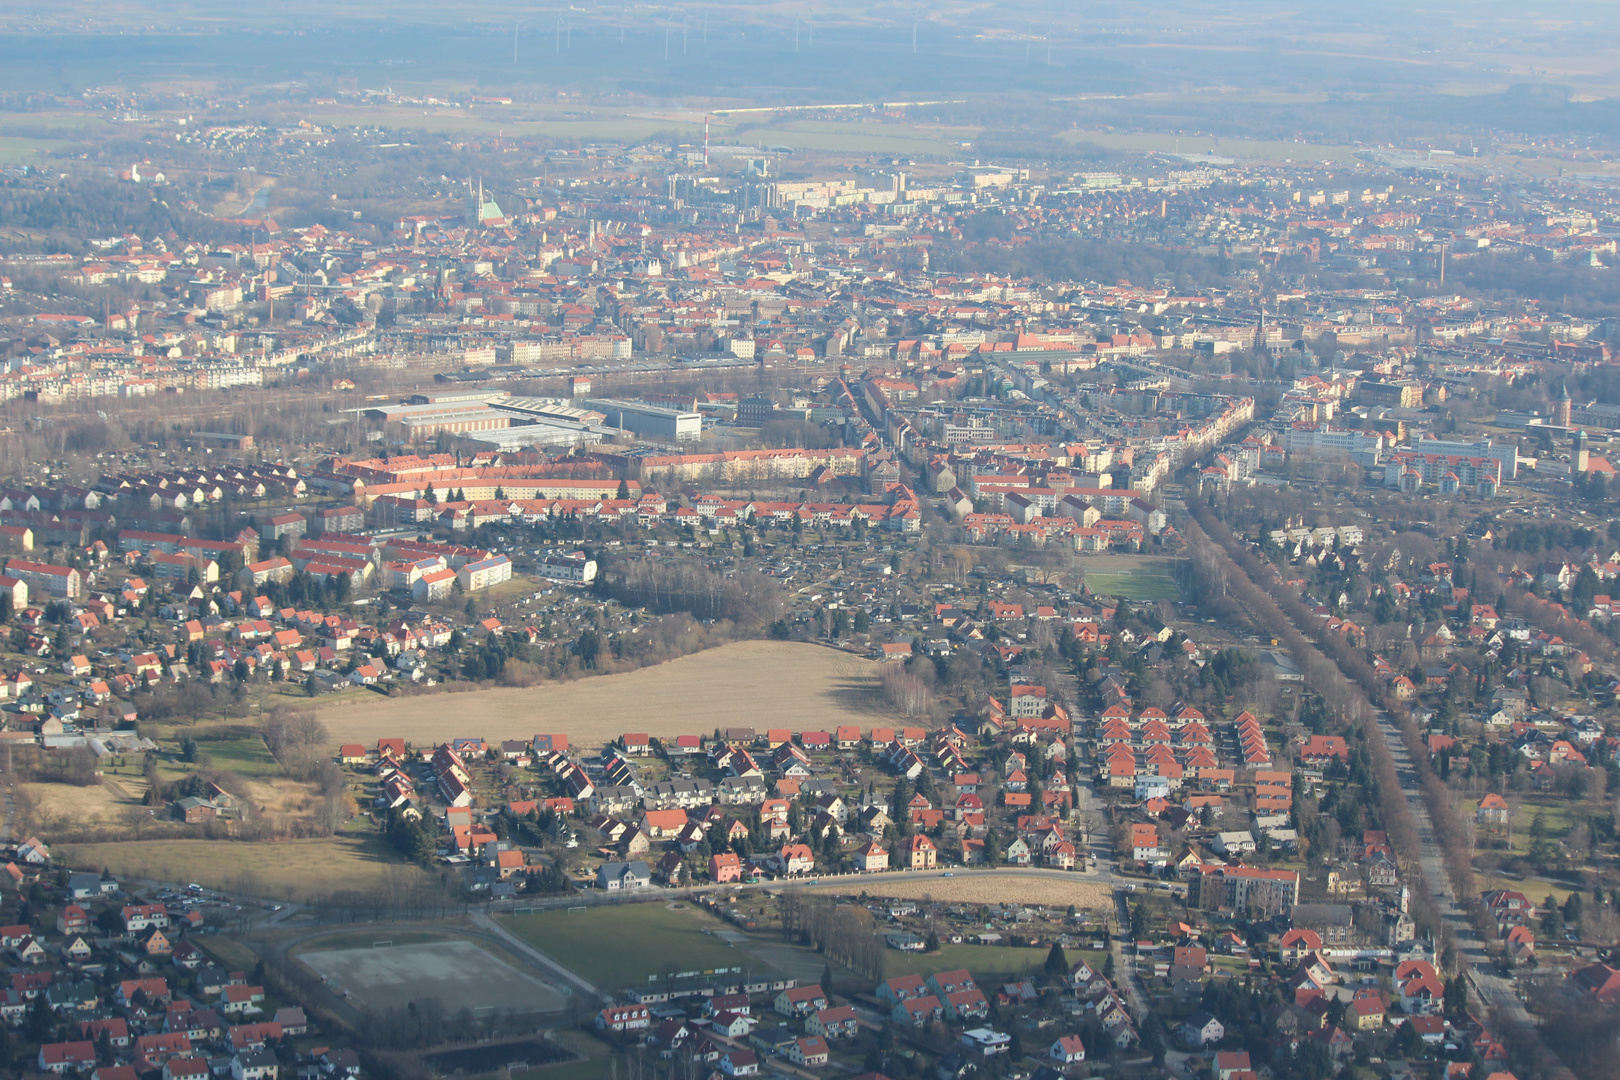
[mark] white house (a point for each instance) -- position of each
(1201, 1029)
(1068, 1050)
(1233, 843)
(624, 1018)
(1152, 787)
(623, 876)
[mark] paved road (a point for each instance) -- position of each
(1101, 851)
(1125, 974)
(1496, 992)
(1125, 966)
(1493, 989)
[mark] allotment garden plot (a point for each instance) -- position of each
(458, 973)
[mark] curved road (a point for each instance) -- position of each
(1128, 978)
(1100, 853)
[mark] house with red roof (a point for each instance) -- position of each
(1596, 982)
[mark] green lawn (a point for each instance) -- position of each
(22, 150)
(1137, 585)
(1555, 817)
(231, 953)
(237, 747)
(984, 961)
(590, 1068)
(617, 947)
(1538, 891)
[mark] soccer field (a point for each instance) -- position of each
(1134, 577)
(1134, 586)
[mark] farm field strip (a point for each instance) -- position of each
(743, 684)
(299, 868)
(1156, 143)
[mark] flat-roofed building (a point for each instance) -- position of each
(484, 573)
(1507, 454)
(548, 409)
(461, 396)
(426, 420)
(650, 421)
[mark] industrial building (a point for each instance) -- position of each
(533, 422)
(538, 433)
(650, 421)
(473, 395)
(529, 409)
(454, 417)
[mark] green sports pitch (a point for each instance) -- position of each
(1138, 584)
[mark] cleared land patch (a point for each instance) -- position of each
(55, 805)
(801, 686)
(458, 973)
(622, 945)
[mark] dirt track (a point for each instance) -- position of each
(748, 684)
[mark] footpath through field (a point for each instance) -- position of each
(483, 920)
